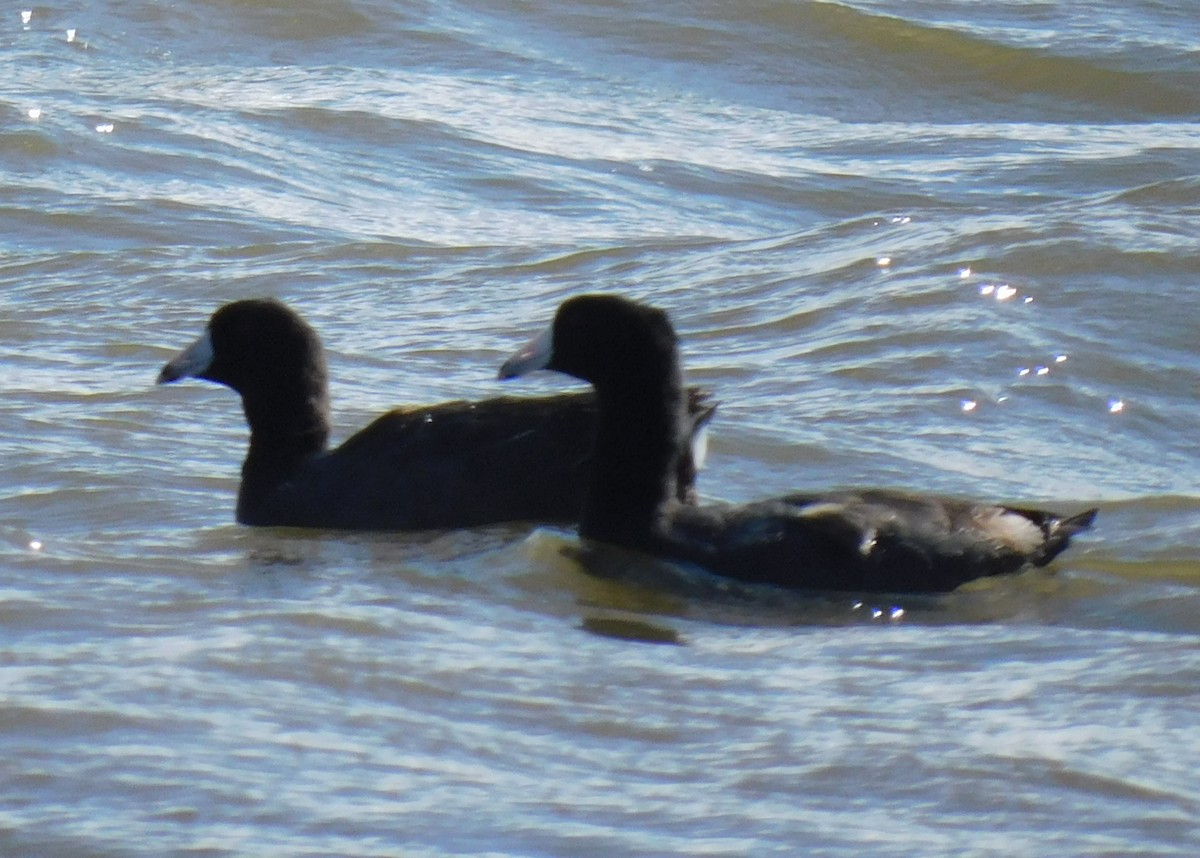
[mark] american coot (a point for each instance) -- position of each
(455, 464)
(861, 541)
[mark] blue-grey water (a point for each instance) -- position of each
(941, 245)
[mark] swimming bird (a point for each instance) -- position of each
(454, 464)
(869, 541)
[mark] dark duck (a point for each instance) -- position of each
(454, 464)
(867, 541)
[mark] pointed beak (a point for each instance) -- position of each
(534, 355)
(192, 361)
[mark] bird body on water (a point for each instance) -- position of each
(871, 540)
(454, 464)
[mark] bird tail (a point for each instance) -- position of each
(1059, 531)
(701, 407)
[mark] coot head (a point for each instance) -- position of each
(602, 339)
(252, 345)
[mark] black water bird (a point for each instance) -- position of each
(454, 464)
(861, 541)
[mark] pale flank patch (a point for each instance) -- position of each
(1012, 529)
(816, 510)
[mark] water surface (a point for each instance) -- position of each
(944, 246)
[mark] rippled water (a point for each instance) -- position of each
(942, 245)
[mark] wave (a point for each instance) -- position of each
(945, 58)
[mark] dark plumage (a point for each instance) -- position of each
(456, 464)
(861, 541)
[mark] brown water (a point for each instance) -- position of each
(954, 252)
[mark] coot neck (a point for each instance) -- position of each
(639, 433)
(289, 423)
